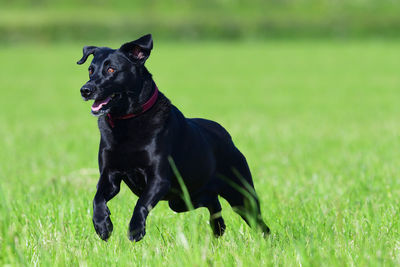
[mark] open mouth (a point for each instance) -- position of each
(101, 106)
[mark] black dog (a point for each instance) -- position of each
(161, 155)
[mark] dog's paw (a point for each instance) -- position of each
(264, 228)
(218, 226)
(104, 228)
(136, 234)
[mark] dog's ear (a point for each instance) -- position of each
(87, 50)
(138, 50)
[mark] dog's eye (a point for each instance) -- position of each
(110, 70)
(90, 71)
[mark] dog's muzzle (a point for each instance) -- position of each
(86, 91)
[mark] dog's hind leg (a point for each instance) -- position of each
(216, 221)
(247, 206)
(211, 203)
(238, 189)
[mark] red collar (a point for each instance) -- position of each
(146, 106)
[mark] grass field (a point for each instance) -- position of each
(317, 120)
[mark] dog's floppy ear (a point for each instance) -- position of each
(138, 50)
(87, 50)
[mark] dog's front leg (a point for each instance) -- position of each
(153, 193)
(107, 187)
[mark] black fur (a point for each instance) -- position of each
(142, 151)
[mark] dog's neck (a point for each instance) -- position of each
(147, 90)
(144, 107)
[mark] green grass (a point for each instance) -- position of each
(318, 122)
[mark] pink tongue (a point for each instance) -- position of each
(97, 105)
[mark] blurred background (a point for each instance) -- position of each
(60, 20)
(308, 89)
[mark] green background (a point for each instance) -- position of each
(47, 20)
(309, 91)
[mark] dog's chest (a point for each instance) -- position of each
(131, 165)
(124, 158)
(136, 180)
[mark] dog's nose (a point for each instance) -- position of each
(86, 91)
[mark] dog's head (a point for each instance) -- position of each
(116, 76)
